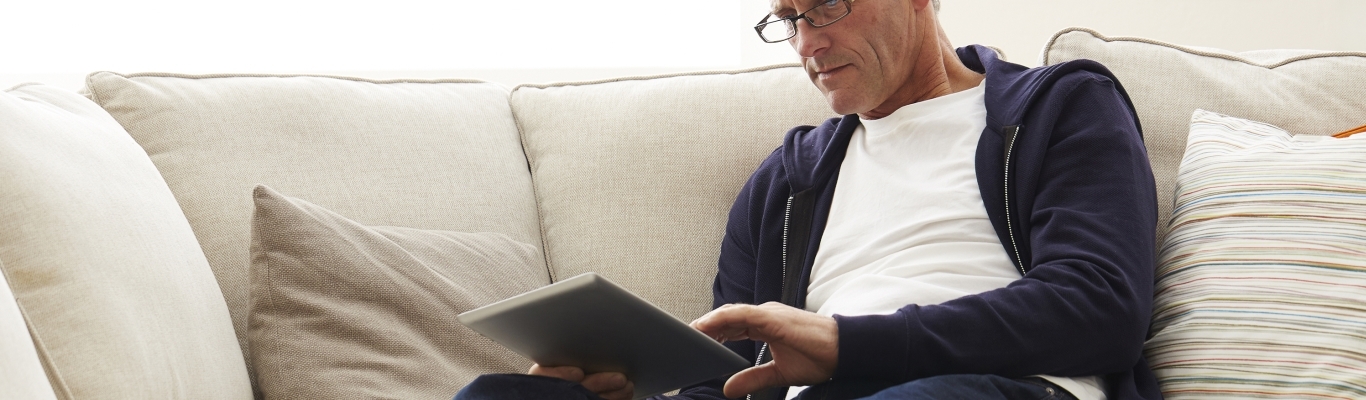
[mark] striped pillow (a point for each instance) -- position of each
(1261, 284)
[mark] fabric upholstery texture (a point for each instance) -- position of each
(422, 154)
(341, 310)
(21, 374)
(1309, 92)
(635, 177)
(1260, 280)
(117, 294)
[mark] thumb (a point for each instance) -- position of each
(752, 380)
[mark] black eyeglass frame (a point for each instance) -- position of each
(792, 21)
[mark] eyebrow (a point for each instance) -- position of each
(776, 7)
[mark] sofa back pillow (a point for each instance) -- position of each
(117, 294)
(424, 154)
(635, 177)
(1303, 91)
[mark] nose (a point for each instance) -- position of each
(810, 41)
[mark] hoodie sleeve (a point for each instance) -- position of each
(1084, 306)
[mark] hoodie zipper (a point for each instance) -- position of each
(1011, 132)
(787, 221)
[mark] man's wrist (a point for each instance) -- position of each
(872, 346)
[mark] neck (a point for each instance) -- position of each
(938, 72)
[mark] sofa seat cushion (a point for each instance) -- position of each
(1259, 288)
(423, 154)
(1303, 91)
(341, 310)
(117, 294)
(635, 177)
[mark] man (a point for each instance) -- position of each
(971, 229)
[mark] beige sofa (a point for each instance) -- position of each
(127, 214)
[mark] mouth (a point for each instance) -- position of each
(826, 73)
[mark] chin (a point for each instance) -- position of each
(843, 106)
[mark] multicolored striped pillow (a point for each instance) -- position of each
(1261, 284)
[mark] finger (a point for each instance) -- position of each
(572, 374)
(626, 392)
(752, 380)
(604, 382)
(727, 323)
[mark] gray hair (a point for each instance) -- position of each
(936, 5)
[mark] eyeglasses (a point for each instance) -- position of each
(784, 28)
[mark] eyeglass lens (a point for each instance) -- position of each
(825, 13)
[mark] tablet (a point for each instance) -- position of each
(591, 323)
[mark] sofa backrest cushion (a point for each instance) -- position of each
(118, 296)
(1306, 92)
(635, 177)
(422, 154)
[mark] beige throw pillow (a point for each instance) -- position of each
(341, 310)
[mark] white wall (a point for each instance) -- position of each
(1021, 28)
(59, 41)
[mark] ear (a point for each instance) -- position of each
(920, 5)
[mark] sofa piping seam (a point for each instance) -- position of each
(1326, 54)
(652, 77)
(535, 189)
(339, 77)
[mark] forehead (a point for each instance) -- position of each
(786, 5)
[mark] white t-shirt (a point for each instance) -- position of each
(907, 225)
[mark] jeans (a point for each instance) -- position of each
(945, 387)
(528, 387)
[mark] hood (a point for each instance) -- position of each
(814, 154)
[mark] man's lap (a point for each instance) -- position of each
(946, 387)
(517, 386)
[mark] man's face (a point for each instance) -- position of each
(863, 60)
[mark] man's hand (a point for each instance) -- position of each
(608, 385)
(805, 345)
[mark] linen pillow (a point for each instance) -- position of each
(1259, 282)
(340, 310)
(118, 297)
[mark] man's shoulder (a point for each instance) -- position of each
(1014, 90)
(813, 136)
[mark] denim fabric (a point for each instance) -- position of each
(523, 387)
(945, 387)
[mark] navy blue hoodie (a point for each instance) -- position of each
(1066, 183)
